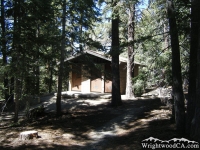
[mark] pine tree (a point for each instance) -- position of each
(3, 49)
(193, 108)
(115, 51)
(130, 51)
(193, 65)
(61, 67)
(17, 56)
(176, 70)
(32, 20)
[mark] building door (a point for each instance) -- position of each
(108, 86)
(76, 78)
(96, 81)
(108, 78)
(96, 85)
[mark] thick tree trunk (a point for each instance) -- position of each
(176, 71)
(3, 49)
(15, 58)
(50, 72)
(130, 57)
(193, 65)
(195, 127)
(116, 95)
(60, 76)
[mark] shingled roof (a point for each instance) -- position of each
(100, 55)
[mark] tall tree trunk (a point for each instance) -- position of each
(50, 77)
(195, 126)
(50, 71)
(11, 88)
(3, 49)
(37, 68)
(17, 98)
(16, 56)
(37, 82)
(176, 70)
(81, 35)
(130, 53)
(193, 65)
(116, 95)
(60, 76)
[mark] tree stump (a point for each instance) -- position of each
(26, 135)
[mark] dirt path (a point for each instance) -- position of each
(93, 125)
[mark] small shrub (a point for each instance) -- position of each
(35, 112)
(138, 87)
(139, 83)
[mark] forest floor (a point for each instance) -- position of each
(92, 124)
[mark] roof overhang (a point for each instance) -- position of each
(93, 53)
(100, 55)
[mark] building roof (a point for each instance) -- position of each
(93, 53)
(100, 55)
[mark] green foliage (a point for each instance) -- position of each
(156, 50)
(152, 44)
(15, 124)
(39, 34)
(1, 91)
(139, 83)
(138, 87)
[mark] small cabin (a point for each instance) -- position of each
(91, 72)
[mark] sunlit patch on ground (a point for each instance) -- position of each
(93, 124)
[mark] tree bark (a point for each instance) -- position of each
(15, 59)
(195, 126)
(192, 65)
(17, 98)
(3, 49)
(37, 68)
(176, 70)
(116, 95)
(130, 53)
(50, 73)
(60, 76)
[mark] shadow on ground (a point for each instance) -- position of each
(97, 127)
